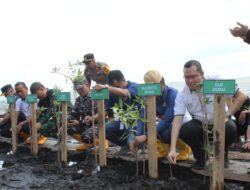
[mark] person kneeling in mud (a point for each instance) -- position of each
(165, 115)
(77, 127)
(47, 106)
(122, 127)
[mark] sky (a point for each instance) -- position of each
(130, 35)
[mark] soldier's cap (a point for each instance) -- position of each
(152, 76)
(5, 88)
(88, 57)
(79, 83)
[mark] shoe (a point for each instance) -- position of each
(84, 146)
(41, 140)
(106, 143)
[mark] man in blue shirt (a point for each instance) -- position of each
(118, 131)
(164, 109)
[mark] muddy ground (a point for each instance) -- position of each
(24, 171)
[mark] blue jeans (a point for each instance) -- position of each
(164, 132)
(117, 135)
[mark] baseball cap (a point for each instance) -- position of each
(152, 76)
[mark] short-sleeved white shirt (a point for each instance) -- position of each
(23, 106)
(191, 101)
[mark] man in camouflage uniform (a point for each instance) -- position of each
(96, 71)
(47, 109)
(76, 119)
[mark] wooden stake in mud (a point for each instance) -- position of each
(219, 142)
(64, 98)
(102, 135)
(219, 88)
(100, 96)
(32, 100)
(11, 101)
(64, 133)
(152, 137)
(150, 91)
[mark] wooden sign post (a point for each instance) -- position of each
(64, 98)
(100, 96)
(219, 88)
(32, 99)
(150, 91)
(11, 100)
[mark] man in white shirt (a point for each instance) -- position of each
(191, 132)
(23, 107)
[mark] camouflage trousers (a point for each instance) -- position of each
(49, 129)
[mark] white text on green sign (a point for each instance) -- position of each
(102, 94)
(31, 98)
(219, 86)
(149, 89)
(63, 97)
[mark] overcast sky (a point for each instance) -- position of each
(130, 35)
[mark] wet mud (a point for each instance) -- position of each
(25, 171)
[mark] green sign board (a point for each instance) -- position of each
(149, 89)
(102, 94)
(11, 99)
(31, 98)
(219, 86)
(63, 97)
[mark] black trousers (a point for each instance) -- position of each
(242, 129)
(5, 129)
(192, 133)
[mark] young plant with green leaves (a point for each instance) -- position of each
(129, 115)
(73, 72)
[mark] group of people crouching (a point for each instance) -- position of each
(180, 115)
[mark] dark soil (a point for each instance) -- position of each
(24, 171)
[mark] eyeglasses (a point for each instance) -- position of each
(191, 77)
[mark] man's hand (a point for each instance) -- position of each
(246, 146)
(99, 87)
(19, 127)
(172, 156)
(239, 31)
(88, 120)
(73, 123)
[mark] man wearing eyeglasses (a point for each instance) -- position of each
(190, 99)
(96, 71)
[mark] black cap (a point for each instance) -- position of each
(88, 57)
(5, 88)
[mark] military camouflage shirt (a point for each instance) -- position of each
(99, 75)
(81, 109)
